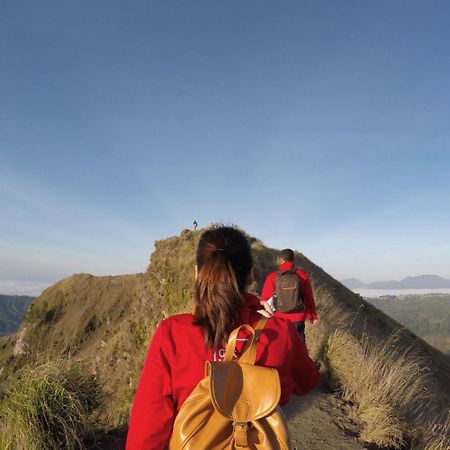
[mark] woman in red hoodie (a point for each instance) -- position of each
(182, 343)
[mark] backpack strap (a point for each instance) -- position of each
(231, 344)
(249, 353)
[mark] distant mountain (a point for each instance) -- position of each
(12, 309)
(419, 282)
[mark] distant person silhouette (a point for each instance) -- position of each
(307, 309)
(181, 344)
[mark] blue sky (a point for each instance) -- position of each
(317, 125)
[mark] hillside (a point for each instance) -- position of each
(108, 322)
(90, 318)
(427, 315)
(12, 309)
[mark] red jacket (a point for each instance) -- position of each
(309, 312)
(175, 364)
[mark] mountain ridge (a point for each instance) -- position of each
(108, 321)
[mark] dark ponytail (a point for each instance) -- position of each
(224, 261)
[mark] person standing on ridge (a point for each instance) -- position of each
(288, 291)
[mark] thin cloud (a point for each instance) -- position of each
(21, 287)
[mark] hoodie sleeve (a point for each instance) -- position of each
(153, 410)
(269, 287)
(310, 305)
(304, 373)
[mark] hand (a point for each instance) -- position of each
(313, 321)
(267, 311)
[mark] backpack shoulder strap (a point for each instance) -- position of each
(261, 324)
(300, 283)
(249, 352)
(292, 269)
(232, 339)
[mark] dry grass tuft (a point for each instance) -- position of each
(438, 435)
(388, 386)
(49, 406)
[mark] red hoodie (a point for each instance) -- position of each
(175, 364)
(309, 312)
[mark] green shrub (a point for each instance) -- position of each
(37, 312)
(49, 406)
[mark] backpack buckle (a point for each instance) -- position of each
(240, 434)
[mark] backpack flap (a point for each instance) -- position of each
(243, 392)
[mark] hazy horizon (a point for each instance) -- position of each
(35, 288)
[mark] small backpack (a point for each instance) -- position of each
(235, 406)
(288, 292)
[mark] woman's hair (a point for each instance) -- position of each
(224, 261)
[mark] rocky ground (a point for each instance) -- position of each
(319, 421)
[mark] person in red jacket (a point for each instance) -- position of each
(298, 318)
(183, 343)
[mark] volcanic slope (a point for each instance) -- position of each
(108, 321)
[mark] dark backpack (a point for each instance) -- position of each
(288, 292)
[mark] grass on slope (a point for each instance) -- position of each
(437, 435)
(49, 406)
(387, 386)
(107, 321)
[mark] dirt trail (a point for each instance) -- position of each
(318, 421)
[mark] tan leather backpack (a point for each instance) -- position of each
(235, 406)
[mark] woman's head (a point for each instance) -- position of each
(224, 262)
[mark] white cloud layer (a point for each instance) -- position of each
(21, 287)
